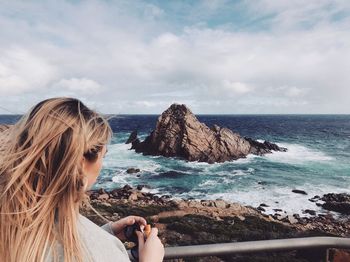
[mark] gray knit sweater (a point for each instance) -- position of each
(100, 243)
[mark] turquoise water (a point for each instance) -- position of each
(317, 162)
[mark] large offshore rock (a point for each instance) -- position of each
(178, 133)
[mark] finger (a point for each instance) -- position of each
(141, 240)
(130, 221)
(142, 227)
(140, 220)
(154, 232)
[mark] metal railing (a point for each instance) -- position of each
(322, 243)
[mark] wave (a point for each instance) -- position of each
(297, 154)
(276, 198)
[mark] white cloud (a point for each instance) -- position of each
(295, 92)
(79, 85)
(116, 53)
(23, 71)
(236, 87)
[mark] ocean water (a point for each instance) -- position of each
(317, 161)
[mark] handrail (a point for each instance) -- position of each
(257, 246)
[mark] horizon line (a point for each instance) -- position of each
(208, 114)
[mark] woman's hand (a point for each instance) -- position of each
(152, 250)
(118, 226)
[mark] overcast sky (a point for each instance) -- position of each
(232, 57)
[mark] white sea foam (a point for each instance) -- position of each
(208, 183)
(298, 154)
(277, 197)
(120, 178)
(119, 156)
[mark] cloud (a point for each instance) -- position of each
(82, 85)
(221, 56)
(237, 87)
(23, 71)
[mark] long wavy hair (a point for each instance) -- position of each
(42, 185)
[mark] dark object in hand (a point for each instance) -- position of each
(130, 235)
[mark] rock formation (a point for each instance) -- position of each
(178, 133)
(337, 202)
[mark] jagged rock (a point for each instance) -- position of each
(337, 202)
(297, 191)
(133, 196)
(264, 205)
(132, 137)
(178, 133)
(127, 187)
(315, 199)
(261, 209)
(103, 197)
(140, 187)
(132, 170)
(291, 219)
(309, 211)
(195, 204)
(220, 203)
(101, 191)
(258, 148)
(279, 216)
(332, 197)
(277, 210)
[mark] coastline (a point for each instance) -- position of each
(191, 222)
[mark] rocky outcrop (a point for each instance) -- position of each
(298, 191)
(193, 222)
(178, 133)
(337, 202)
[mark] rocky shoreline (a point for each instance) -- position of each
(191, 222)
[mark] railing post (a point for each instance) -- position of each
(326, 259)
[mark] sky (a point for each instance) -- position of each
(215, 56)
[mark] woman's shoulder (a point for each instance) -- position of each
(98, 244)
(102, 245)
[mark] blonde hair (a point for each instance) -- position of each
(42, 185)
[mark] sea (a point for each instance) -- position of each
(317, 162)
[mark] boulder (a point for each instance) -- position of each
(219, 203)
(103, 197)
(298, 191)
(337, 202)
(264, 205)
(310, 212)
(132, 170)
(178, 133)
(291, 219)
(133, 196)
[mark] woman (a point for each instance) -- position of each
(51, 157)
